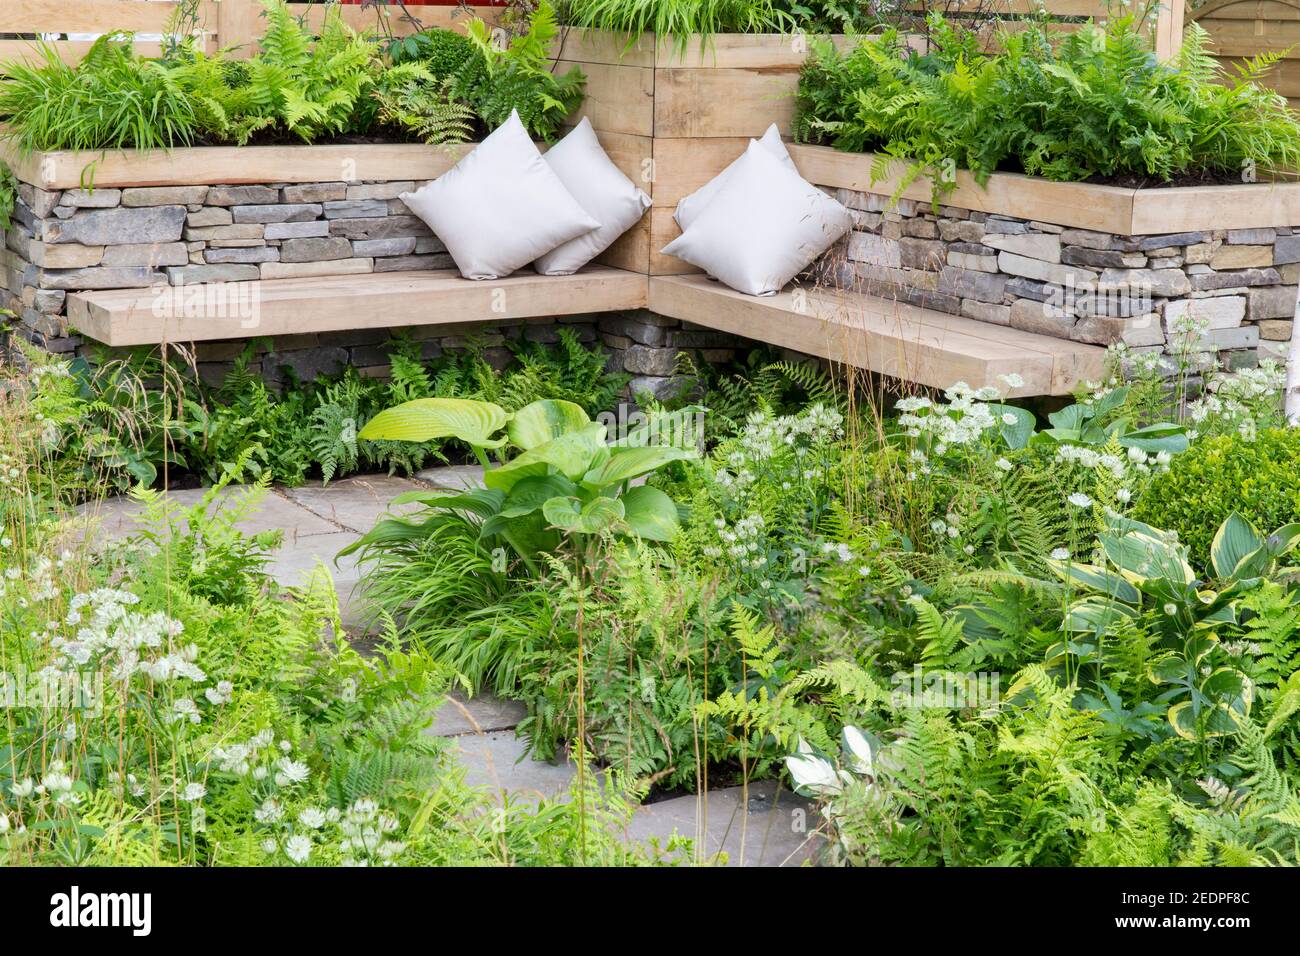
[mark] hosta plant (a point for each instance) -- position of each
(1146, 581)
(562, 480)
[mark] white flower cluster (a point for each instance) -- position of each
(1239, 401)
(744, 542)
(777, 448)
(127, 643)
(962, 419)
(364, 832)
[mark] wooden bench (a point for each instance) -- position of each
(233, 310)
(882, 335)
(918, 345)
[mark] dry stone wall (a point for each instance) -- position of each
(1231, 293)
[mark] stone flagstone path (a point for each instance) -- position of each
(318, 521)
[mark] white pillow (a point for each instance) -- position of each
(500, 207)
(690, 207)
(764, 226)
(600, 188)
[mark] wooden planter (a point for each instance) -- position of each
(686, 113)
(1114, 209)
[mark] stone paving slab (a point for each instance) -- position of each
(120, 516)
(497, 760)
(773, 829)
(357, 503)
(478, 714)
(458, 477)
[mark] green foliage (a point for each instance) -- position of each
(564, 478)
(111, 100)
(1254, 476)
(1093, 103)
(110, 424)
(411, 98)
(8, 193)
(519, 76)
(301, 84)
(679, 18)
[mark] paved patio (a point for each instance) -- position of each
(760, 827)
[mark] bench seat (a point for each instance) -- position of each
(234, 310)
(879, 334)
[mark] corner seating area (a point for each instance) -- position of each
(677, 120)
(874, 333)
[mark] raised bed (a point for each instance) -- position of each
(1091, 263)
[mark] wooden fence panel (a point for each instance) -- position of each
(224, 23)
(1242, 29)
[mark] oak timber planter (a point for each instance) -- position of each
(686, 111)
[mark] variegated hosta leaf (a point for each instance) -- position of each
(857, 751)
(425, 419)
(1096, 579)
(1235, 540)
(813, 776)
(1230, 693)
(538, 423)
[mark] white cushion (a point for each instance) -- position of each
(690, 207)
(500, 207)
(764, 226)
(600, 187)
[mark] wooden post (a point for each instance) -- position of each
(239, 25)
(1169, 28)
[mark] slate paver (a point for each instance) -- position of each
(774, 828)
(355, 503)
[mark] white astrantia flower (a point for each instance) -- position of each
(194, 791)
(269, 812)
(23, 788)
(312, 818)
(290, 771)
(298, 848)
(1003, 464)
(1080, 500)
(1124, 495)
(1060, 554)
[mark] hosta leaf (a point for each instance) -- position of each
(530, 493)
(424, 419)
(650, 513)
(1097, 579)
(1163, 436)
(571, 515)
(1235, 540)
(1017, 433)
(571, 455)
(1095, 615)
(538, 423)
(624, 464)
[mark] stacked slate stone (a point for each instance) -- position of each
(1228, 292)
